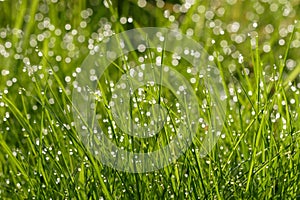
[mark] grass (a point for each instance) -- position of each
(255, 45)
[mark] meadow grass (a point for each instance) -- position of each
(255, 45)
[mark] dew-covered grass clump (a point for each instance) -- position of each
(254, 44)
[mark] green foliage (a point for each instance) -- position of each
(255, 44)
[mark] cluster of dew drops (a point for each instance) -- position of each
(67, 43)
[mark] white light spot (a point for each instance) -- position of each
(51, 101)
(67, 79)
(292, 101)
(142, 3)
(123, 20)
(141, 48)
(193, 80)
(68, 27)
(267, 48)
(130, 20)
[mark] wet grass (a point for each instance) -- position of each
(255, 46)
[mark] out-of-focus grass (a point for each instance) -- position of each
(255, 45)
